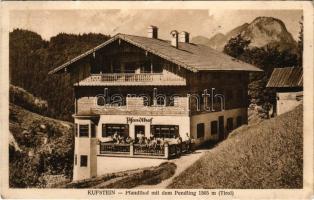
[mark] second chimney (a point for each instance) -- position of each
(184, 37)
(174, 38)
(152, 32)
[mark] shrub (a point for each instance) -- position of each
(23, 170)
(21, 97)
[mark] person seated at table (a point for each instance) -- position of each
(153, 143)
(146, 141)
(172, 140)
(141, 140)
(152, 137)
(140, 136)
(136, 140)
(122, 140)
(161, 142)
(115, 136)
(189, 142)
(118, 140)
(128, 140)
(179, 145)
(179, 140)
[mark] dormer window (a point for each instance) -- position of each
(146, 67)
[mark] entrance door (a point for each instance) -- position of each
(139, 129)
(221, 127)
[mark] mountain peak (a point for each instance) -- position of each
(262, 31)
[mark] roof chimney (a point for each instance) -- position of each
(174, 38)
(152, 31)
(184, 37)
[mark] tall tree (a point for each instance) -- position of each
(236, 46)
(266, 58)
(31, 58)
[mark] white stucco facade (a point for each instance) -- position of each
(182, 121)
(287, 101)
(85, 146)
(99, 164)
(207, 118)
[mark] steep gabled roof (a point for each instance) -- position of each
(190, 56)
(286, 77)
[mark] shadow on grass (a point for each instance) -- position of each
(127, 179)
(208, 145)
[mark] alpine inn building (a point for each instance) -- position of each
(134, 85)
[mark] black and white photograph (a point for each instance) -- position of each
(157, 102)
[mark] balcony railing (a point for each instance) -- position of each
(165, 151)
(112, 148)
(133, 79)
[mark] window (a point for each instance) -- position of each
(116, 66)
(93, 131)
(146, 67)
(230, 124)
(75, 159)
(161, 100)
(130, 67)
(239, 121)
(83, 161)
(214, 127)
(110, 129)
(75, 129)
(165, 131)
(101, 101)
(84, 130)
(157, 67)
(200, 130)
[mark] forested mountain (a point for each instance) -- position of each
(31, 58)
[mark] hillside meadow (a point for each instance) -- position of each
(266, 155)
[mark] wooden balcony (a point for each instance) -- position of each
(129, 79)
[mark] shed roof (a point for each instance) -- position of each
(193, 57)
(286, 77)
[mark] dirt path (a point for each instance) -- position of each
(182, 163)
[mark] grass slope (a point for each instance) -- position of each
(41, 150)
(23, 98)
(265, 155)
(126, 179)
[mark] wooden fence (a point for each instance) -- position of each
(165, 151)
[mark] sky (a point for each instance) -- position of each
(206, 23)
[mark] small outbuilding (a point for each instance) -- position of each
(288, 83)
